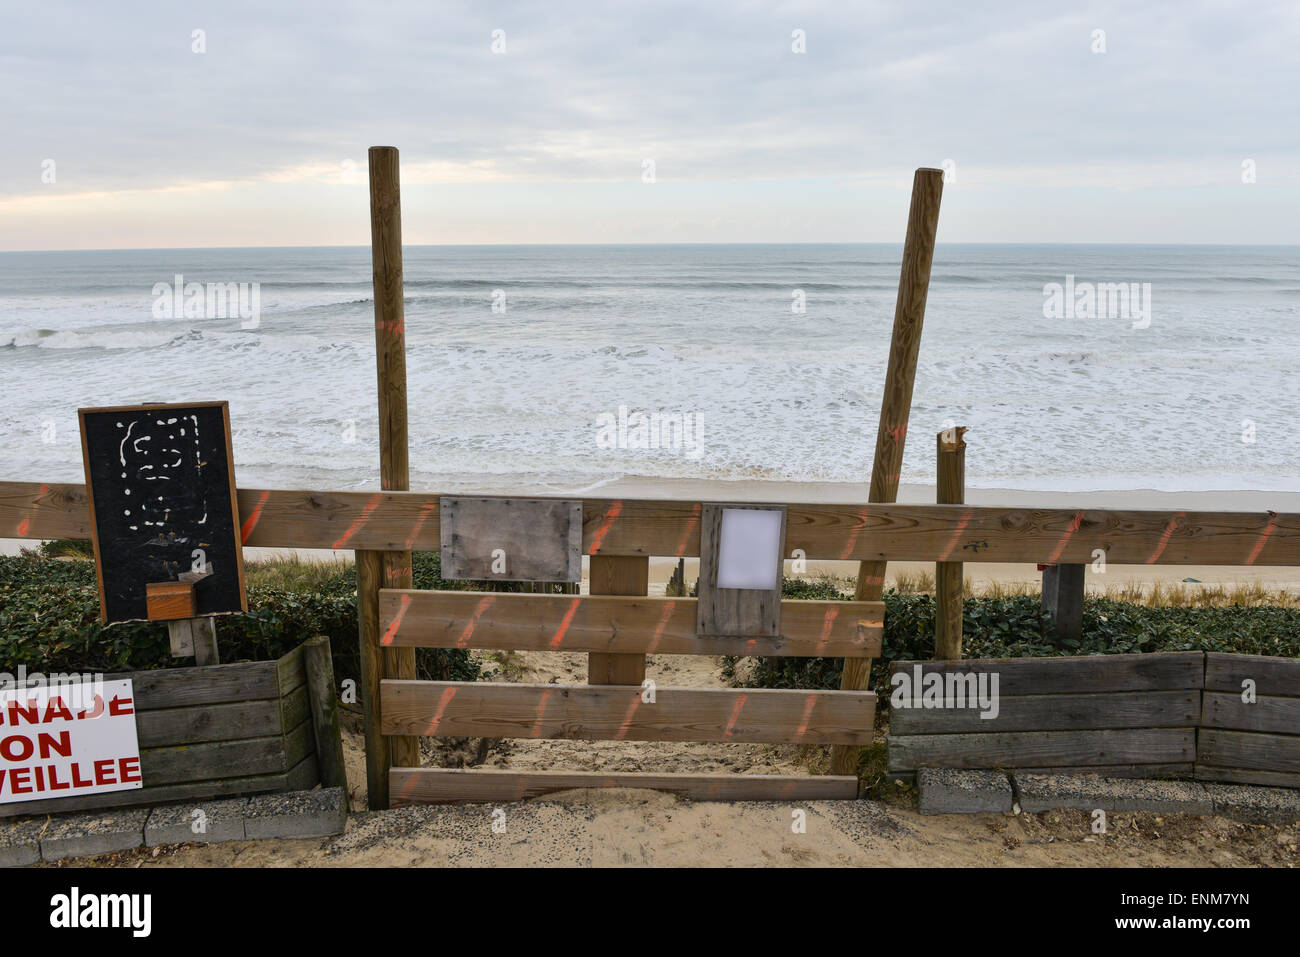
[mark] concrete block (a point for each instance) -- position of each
(950, 791)
(96, 832)
(297, 814)
(20, 843)
(221, 820)
(1256, 804)
(1088, 792)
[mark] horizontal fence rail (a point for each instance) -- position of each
(408, 521)
(491, 785)
(616, 625)
(620, 713)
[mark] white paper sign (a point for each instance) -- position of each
(749, 548)
(66, 739)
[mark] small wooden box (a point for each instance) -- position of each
(167, 601)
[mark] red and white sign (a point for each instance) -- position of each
(68, 739)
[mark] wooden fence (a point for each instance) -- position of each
(619, 629)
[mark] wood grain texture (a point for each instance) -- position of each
(1056, 712)
(539, 539)
(1166, 671)
(1248, 751)
(1277, 779)
(322, 697)
(215, 684)
(165, 601)
(896, 404)
(491, 786)
(1271, 675)
(734, 612)
(617, 713)
(1266, 713)
(379, 756)
(616, 625)
(1043, 749)
(400, 521)
(611, 575)
(950, 489)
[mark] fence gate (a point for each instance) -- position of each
(740, 612)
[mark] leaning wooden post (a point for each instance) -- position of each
(324, 700)
(909, 313)
(950, 489)
(388, 569)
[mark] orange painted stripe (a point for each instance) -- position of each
(558, 638)
(956, 535)
(1259, 544)
(809, 703)
(445, 700)
(26, 523)
(828, 622)
(246, 531)
(735, 715)
(598, 539)
(1065, 539)
(396, 623)
(854, 532)
(483, 605)
(626, 723)
(1164, 539)
(360, 520)
(541, 710)
(663, 623)
(425, 511)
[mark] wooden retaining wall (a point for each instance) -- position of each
(1118, 715)
(215, 731)
(1250, 743)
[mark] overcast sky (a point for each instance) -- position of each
(261, 139)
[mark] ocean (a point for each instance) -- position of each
(516, 356)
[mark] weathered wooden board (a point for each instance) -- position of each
(1042, 749)
(1272, 676)
(483, 786)
(218, 722)
(303, 776)
(1056, 712)
(224, 759)
(1171, 671)
(1248, 751)
(211, 684)
(1276, 779)
(162, 503)
(511, 539)
(616, 625)
(405, 521)
(624, 575)
(618, 713)
(1266, 713)
(737, 612)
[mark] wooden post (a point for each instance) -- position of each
(618, 575)
(950, 489)
(895, 408)
(386, 569)
(194, 636)
(324, 711)
(1063, 601)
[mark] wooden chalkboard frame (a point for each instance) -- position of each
(230, 476)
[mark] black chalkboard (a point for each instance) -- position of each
(161, 482)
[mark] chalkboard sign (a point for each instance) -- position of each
(161, 483)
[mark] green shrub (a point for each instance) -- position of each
(49, 622)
